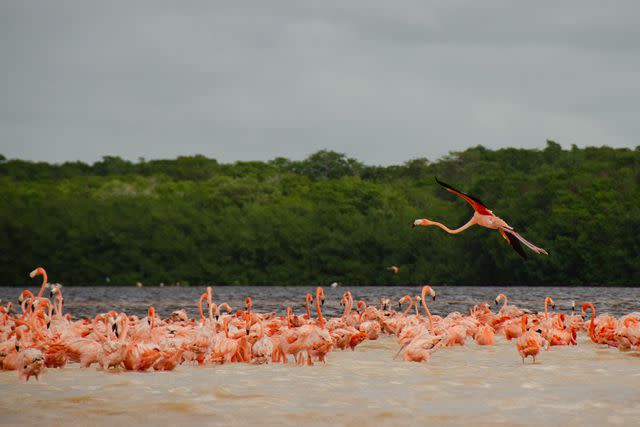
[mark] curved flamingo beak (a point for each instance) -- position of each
(34, 273)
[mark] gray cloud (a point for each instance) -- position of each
(383, 82)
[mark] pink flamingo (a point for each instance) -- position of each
(262, 349)
(317, 340)
(529, 343)
(605, 330)
(485, 218)
(30, 363)
(370, 327)
(485, 335)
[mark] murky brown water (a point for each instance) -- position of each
(581, 385)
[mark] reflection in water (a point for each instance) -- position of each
(582, 385)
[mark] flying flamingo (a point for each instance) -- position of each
(485, 218)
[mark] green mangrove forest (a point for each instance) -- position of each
(327, 218)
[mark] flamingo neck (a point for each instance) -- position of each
(592, 324)
(212, 307)
(347, 307)
(364, 306)
(320, 318)
(125, 329)
(406, 310)
(226, 327)
(524, 323)
(202, 297)
(26, 304)
(504, 297)
(44, 282)
(152, 318)
(59, 307)
(308, 306)
(471, 222)
(424, 305)
(546, 313)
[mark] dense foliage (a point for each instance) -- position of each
(327, 218)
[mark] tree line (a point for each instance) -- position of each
(323, 219)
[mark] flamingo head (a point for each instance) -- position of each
(320, 295)
(402, 300)
(573, 306)
(24, 295)
(150, 315)
(426, 289)
(423, 222)
(37, 272)
(247, 302)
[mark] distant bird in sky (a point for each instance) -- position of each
(485, 218)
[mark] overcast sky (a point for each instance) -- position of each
(382, 81)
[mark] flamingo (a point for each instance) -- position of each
(370, 327)
(317, 340)
(394, 269)
(30, 363)
(529, 343)
(602, 329)
(485, 218)
(485, 335)
(262, 349)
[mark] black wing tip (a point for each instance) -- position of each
(444, 184)
(515, 244)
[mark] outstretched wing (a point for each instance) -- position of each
(476, 204)
(513, 241)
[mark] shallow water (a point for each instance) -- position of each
(581, 385)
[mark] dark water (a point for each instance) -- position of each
(88, 301)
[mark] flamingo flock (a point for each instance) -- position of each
(43, 336)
